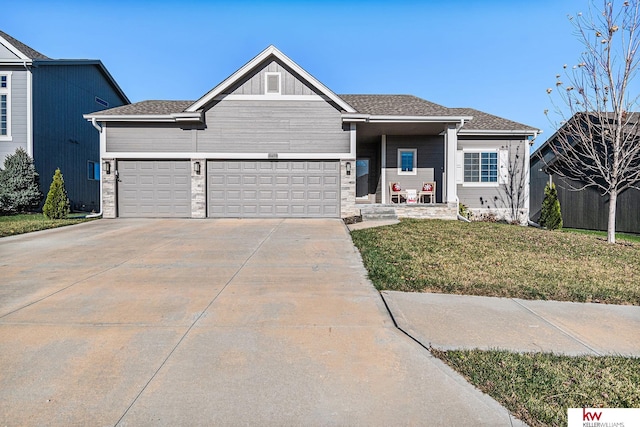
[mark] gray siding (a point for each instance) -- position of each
(62, 137)
(18, 113)
(430, 162)
(6, 53)
(290, 83)
(488, 197)
(273, 126)
(149, 138)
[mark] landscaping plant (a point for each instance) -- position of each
(57, 205)
(19, 191)
(550, 215)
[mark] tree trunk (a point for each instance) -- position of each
(611, 226)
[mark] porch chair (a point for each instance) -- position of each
(395, 191)
(428, 190)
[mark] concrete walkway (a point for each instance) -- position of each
(466, 322)
(211, 322)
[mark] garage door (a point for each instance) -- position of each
(273, 189)
(155, 188)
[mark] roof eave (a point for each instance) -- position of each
(472, 132)
(153, 118)
(371, 118)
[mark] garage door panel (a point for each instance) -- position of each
(152, 188)
(273, 188)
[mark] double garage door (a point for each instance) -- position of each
(235, 189)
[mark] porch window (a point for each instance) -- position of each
(481, 167)
(407, 161)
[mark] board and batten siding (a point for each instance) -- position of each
(18, 100)
(488, 197)
(255, 84)
(62, 138)
(430, 162)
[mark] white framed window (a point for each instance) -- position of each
(5, 106)
(272, 84)
(407, 161)
(93, 171)
(481, 167)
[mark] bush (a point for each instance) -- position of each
(550, 215)
(19, 190)
(57, 203)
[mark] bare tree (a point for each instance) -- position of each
(515, 188)
(597, 144)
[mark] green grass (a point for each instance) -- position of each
(500, 260)
(538, 388)
(620, 237)
(26, 223)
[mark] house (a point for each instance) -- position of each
(42, 101)
(584, 208)
(273, 141)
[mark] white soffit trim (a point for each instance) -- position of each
(226, 156)
(165, 118)
(249, 66)
(404, 119)
(464, 131)
(22, 57)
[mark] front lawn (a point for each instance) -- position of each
(538, 388)
(499, 260)
(26, 223)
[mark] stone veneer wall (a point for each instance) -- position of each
(348, 189)
(439, 211)
(109, 190)
(199, 189)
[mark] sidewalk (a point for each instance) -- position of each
(466, 322)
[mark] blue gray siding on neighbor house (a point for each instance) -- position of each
(18, 113)
(430, 162)
(255, 85)
(488, 197)
(62, 137)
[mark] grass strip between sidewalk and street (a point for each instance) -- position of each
(25, 223)
(499, 260)
(538, 388)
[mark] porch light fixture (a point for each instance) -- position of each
(107, 167)
(196, 168)
(348, 167)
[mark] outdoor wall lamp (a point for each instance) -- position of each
(107, 167)
(196, 168)
(348, 167)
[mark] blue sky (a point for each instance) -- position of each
(498, 56)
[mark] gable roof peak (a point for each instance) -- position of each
(21, 50)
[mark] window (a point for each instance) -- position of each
(93, 170)
(407, 161)
(272, 84)
(5, 106)
(481, 167)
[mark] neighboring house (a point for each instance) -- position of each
(42, 101)
(586, 208)
(272, 141)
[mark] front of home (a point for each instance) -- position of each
(272, 141)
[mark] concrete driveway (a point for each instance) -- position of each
(210, 322)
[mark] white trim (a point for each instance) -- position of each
(451, 147)
(269, 97)
(352, 140)
(266, 83)
(383, 167)
(252, 64)
(471, 132)
(149, 118)
(29, 112)
(7, 92)
(414, 168)
(480, 183)
(22, 57)
(230, 156)
(357, 117)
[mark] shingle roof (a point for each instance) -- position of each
(394, 105)
(486, 121)
(154, 107)
(26, 50)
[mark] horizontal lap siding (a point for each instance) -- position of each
(273, 126)
(148, 138)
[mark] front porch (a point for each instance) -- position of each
(378, 211)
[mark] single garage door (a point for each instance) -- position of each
(154, 188)
(273, 189)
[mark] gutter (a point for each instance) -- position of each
(99, 214)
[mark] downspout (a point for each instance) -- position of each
(99, 214)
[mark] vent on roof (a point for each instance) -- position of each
(272, 85)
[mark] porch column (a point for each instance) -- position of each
(383, 167)
(451, 145)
